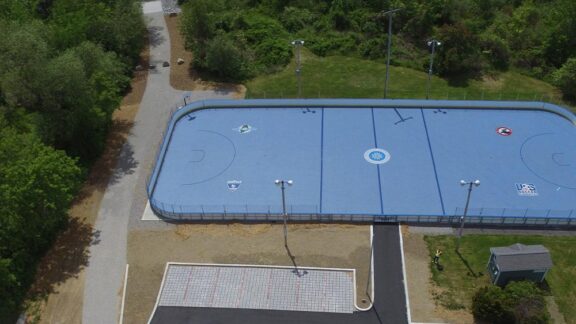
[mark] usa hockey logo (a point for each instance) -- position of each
(233, 185)
(526, 189)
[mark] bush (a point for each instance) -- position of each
(520, 302)
(565, 78)
(459, 53)
(496, 50)
(489, 303)
(224, 59)
(295, 19)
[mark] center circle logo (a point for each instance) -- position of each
(377, 156)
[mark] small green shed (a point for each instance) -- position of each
(519, 262)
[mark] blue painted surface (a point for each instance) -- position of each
(322, 150)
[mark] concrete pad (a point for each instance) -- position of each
(152, 7)
(149, 214)
(258, 287)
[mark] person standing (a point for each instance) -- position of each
(437, 256)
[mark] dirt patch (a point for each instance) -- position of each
(315, 245)
(492, 82)
(182, 76)
(421, 291)
(57, 294)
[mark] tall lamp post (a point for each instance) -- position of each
(298, 45)
(388, 13)
(431, 43)
(470, 184)
(282, 184)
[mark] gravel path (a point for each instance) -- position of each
(125, 195)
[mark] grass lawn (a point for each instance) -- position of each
(462, 276)
(348, 77)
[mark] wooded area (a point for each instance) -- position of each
(64, 67)
(535, 37)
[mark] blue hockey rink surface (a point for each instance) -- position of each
(368, 161)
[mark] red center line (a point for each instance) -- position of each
(241, 288)
(215, 287)
(187, 284)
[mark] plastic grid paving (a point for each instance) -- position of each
(271, 288)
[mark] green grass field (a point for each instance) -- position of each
(348, 77)
(462, 276)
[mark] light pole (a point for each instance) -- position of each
(431, 43)
(298, 45)
(470, 184)
(282, 184)
(388, 13)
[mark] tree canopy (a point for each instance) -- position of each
(64, 66)
(535, 37)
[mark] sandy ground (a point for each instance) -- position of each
(314, 245)
(56, 296)
(421, 290)
(182, 76)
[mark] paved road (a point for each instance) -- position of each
(389, 306)
(124, 195)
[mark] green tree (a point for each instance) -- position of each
(489, 303)
(37, 184)
(459, 53)
(519, 302)
(565, 78)
(224, 59)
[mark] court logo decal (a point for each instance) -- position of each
(526, 189)
(233, 185)
(244, 129)
(504, 131)
(377, 156)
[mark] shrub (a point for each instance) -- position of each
(459, 53)
(520, 302)
(489, 303)
(295, 19)
(496, 50)
(565, 78)
(224, 59)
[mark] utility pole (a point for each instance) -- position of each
(389, 14)
(298, 45)
(431, 43)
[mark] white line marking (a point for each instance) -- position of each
(405, 279)
(124, 294)
(372, 294)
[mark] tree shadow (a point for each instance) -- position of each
(462, 80)
(67, 257)
(155, 36)
(115, 155)
(125, 163)
(471, 271)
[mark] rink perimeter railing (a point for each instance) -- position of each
(309, 213)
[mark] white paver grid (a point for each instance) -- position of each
(250, 287)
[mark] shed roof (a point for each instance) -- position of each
(518, 257)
